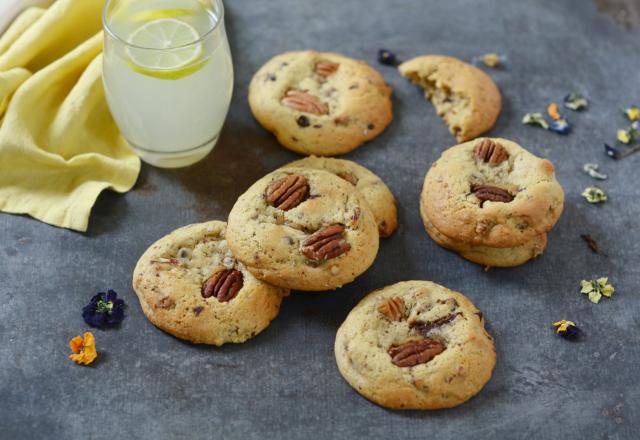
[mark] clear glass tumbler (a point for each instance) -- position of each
(168, 76)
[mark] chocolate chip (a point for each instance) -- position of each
(370, 126)
(303, 121)
(198, 310)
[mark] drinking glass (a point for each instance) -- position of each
(168, 76)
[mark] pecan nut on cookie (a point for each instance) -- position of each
(374, 191)
(415, 345)
(319, 102)
(492, 201)
(190, 285)
(304, 229)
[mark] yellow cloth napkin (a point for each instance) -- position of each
(59, 146)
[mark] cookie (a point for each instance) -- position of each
(464, 96)
(320, 102)
(489, 256)
(374, 191)
(190, 285)
(491, 192)
(415, 345)
(304, 229)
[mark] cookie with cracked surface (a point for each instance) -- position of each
(415, 345)
(491, 192)
(190, 285)
(304, 229)
(374, 191)
(464, 96)
(320, 102)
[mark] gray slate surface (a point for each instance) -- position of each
(284, 384)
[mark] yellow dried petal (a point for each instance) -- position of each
(84, 349)
(623, 136)
(633, 113)
(491, 59)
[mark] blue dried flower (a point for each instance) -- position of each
(387, 57)
(612, 152)
(104, 310)
(561, 126)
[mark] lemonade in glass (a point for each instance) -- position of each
(168, 76)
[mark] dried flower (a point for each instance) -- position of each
(535, 119)
(633, 113)
(104, 310)
(623, 136)
(612, 151)
(596, 289)
(84, 349)
(553, 111)
(561, 126)
(630, 134)
(574, 101)
(594, 194)
(387, 57)
(567, 329)
(616, 153)
(592, 170)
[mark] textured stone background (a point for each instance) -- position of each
(284, 384)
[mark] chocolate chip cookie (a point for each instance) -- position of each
(463, 95)
(319, 102)
(492, 201)
(374, 191)
(415, 345)
(304, 229)
(190, 285)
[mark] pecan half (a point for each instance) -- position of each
(425, 327)
(304, 102)
(491, 193)
(224, 285)
(415, 352)
(325, 243)
(287, 192)
(491, 152)
(326, 68)
(392, 308)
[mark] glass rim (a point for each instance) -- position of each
(107, 28)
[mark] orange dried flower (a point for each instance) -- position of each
(84, 349)
(553, 111)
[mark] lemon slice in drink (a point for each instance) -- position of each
(163, 49)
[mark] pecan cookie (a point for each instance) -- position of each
(190, 285)
(463, 95)
(303, 229)
(374, 191)
(415, 345)
(319, 102)
(491, 193)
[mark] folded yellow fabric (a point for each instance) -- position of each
(59, 146)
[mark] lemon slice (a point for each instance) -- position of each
(165, 49)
